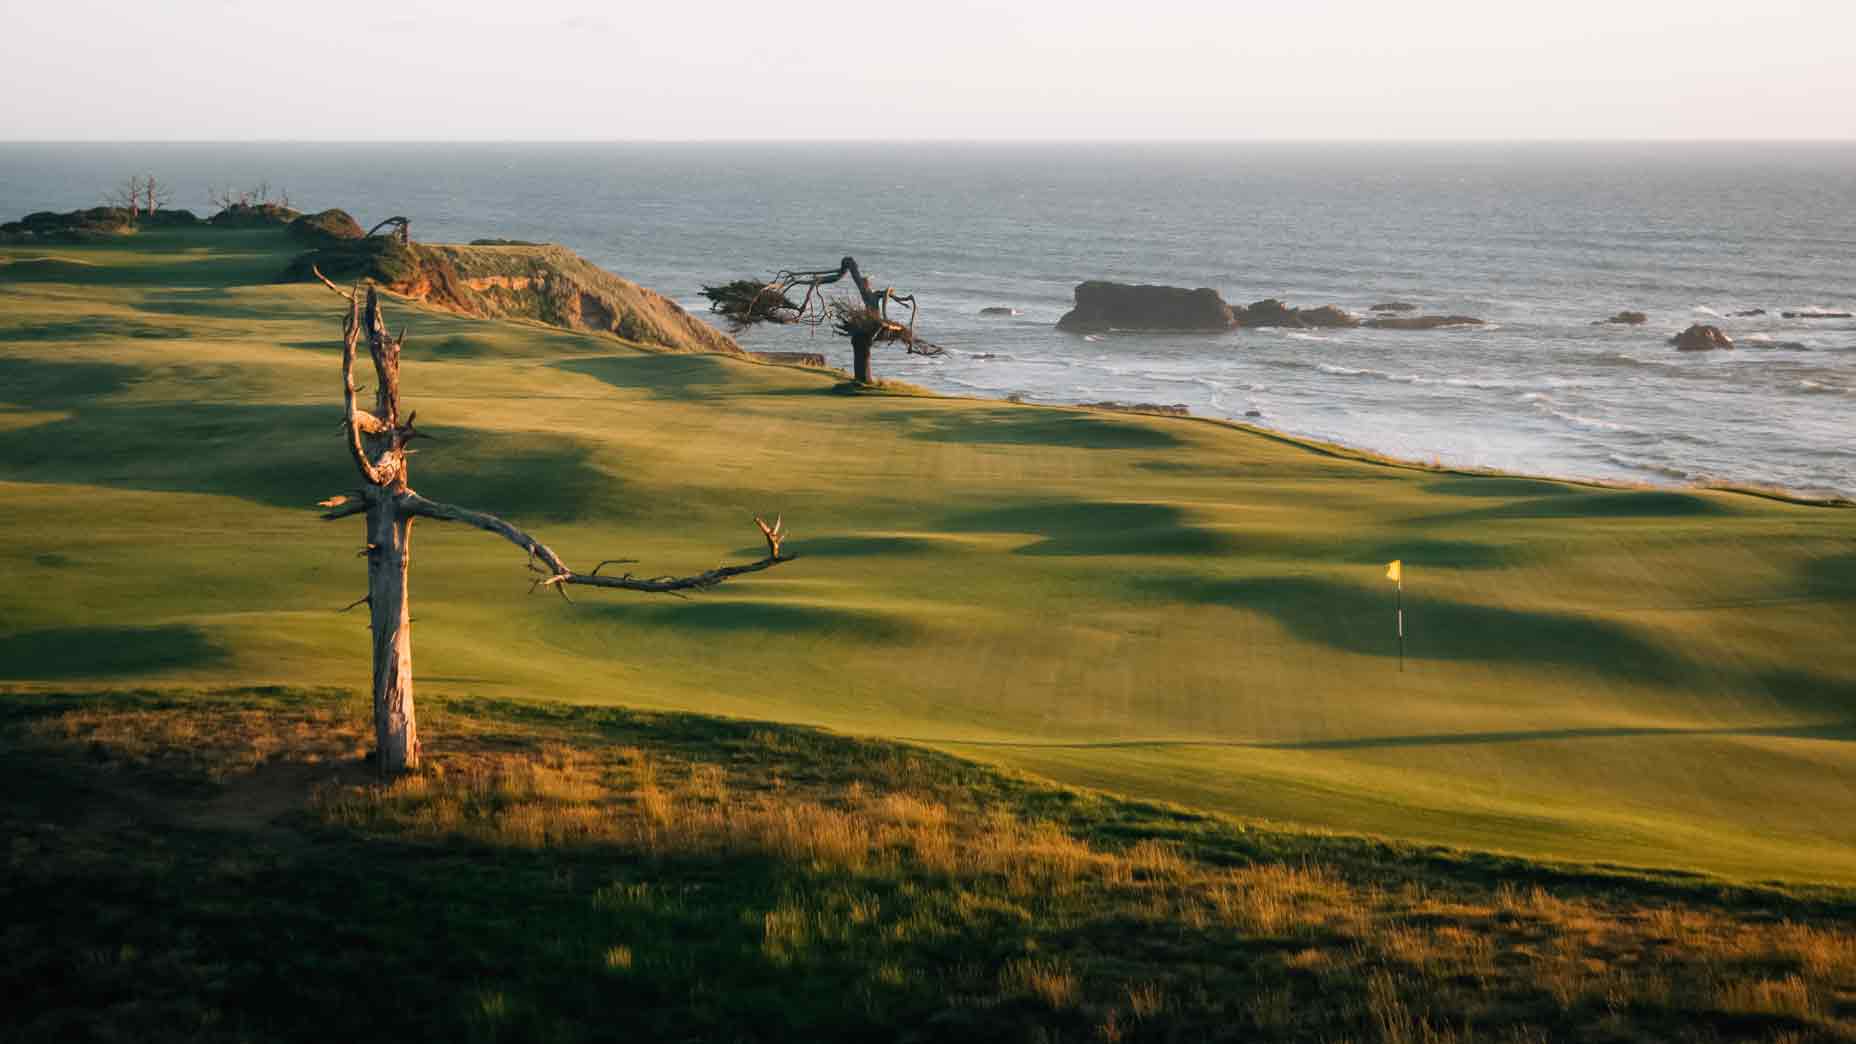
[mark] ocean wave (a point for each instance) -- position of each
(1548, 406)
(1483, 384)
(1705, 310)
(1820, 388)
(1654, 467)
(1626, 359)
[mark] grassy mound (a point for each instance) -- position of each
(217, 865)
(254, 215)
(328, 226)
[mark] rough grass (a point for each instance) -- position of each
(566, 873)
(1167, 608)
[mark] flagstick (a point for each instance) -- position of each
(1401, 624)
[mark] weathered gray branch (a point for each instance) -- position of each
(342, 505)
(354, 419)
(554, 572)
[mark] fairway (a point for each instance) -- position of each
(1171, 609)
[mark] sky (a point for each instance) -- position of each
(1029, 70)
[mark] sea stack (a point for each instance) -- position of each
(1701, 338)
(1102, 306)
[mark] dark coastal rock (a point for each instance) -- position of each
(1253, 413)
(1814, 314)
(329, 226)
(1701, 338)
(1749, 313)
(1175, 410)
(1624, 319)
(1421, 322)
(999, 310)
(1394, 306)
(1272, 312)
(1267, 312)
(1326, 316)
(1121, 306)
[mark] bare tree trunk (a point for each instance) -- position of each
(860, 357)
(377, 443)
(389, 564)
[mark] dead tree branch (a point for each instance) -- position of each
(552, 571)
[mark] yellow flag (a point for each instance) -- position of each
(1396, 571)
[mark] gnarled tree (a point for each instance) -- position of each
(377, 441)
(864, 319)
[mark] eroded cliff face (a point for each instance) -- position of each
(549, 284)
(556, 286)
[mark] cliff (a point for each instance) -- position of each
(546, 283)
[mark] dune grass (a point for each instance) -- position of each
(210, 865)
(1169, 609)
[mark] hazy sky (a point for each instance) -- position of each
(1030, 69)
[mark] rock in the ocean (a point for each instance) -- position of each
(1394, 306)
(1272, 312)
(1103, 305)
(1814, 314)
(1175, 410)
(1326, 316)
(1253, 413)
(1624, 319)
(1421, 322)
(999, 310)
(1749, 313)
(1701, 338)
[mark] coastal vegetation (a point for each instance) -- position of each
(1063, 724)
(863, 319)
(214, 865)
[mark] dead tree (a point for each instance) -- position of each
(402, 229)
(377, 441)
(128, 196)
(864, 319)
(155, 195)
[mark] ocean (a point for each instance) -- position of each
(1540, 240)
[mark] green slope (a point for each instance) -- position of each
(1168, 608)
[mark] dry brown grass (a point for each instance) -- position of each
(1401, 960)
(228, 743)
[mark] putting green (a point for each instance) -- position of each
(1176, 609)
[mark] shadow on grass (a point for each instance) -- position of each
(1020, 426)
(1499, 486)
(1079, 527)
(287, 456)
(431, 348)
(1830, 577)
(1595, 504)
(81, 652)
(1844, 731)
(853, 546)
(40, 384)
(1355, 619)
(709, 615)
(216, 304)
(96, 328)
(1416, 553)
(683, 378)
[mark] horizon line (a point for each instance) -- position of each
(1848, 140)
